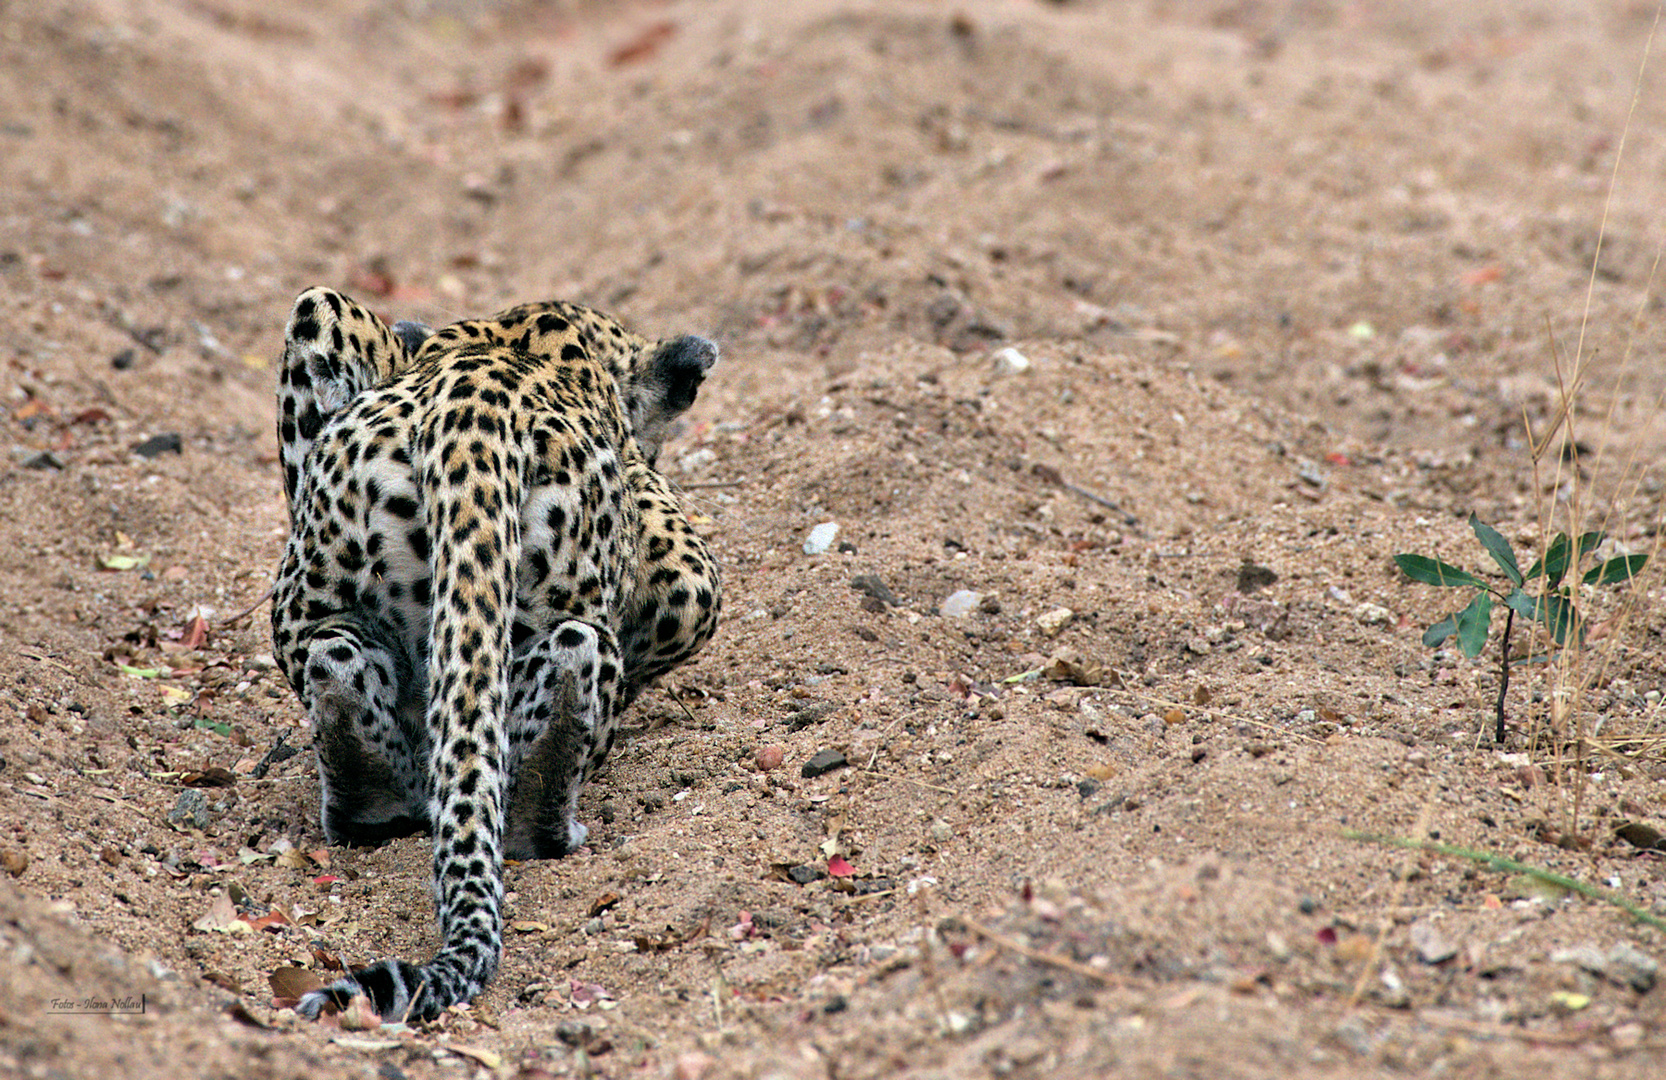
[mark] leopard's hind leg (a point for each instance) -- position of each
(564, 700)
(372, 750)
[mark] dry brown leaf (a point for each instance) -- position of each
(220, 915)
(489, 1058)
(1067, 667)
(195, 635)
(213, 776)
(292, 982)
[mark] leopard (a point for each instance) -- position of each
(484, 569)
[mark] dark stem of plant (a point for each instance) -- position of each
(1504, 672)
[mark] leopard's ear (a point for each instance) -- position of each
(679, 366)
(665, 384)
(412, 335)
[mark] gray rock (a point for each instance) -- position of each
(156, 445)
(871, 586)
(1629, 966)
(1585, 957)
(1433, 947)
(191, 810)
(824, 761)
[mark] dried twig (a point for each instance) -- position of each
(907, 780)
(252, 608)
(1052, 476)
(672, 694)
(279, 753)
(1103, 978)
(40, 658)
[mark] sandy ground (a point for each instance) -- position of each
(1282, 284)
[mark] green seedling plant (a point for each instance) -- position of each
(1542, 595)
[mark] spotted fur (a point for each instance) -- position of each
(483, 570)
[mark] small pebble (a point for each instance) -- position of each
(1371, 614)
(960, 603)
(1010, 361)
(1629, 966)
(770, 757)
(873, 588)
(824, 761)
(1433, 947)
(156, 445)
(1586, 957)
(699, 459)
(13, 861)
(1051, 622)
(191, 810)
(573, 1033)
(821, 538)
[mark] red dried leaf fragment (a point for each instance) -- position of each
(644, 45)
(195, 635)
(273, 920)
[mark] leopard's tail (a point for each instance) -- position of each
(468, 491)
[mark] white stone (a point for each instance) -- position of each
(1011, 362)
(960, 603)
(821, 538)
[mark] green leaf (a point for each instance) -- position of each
(1615, 570)
(1588, 542)
(1498, 547)
(1555, 562)
(1522, 604)
(1558, 614)
(1439, 632)
(213, 725)
(1473, 623)
(1434, 572)
(140, 672)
